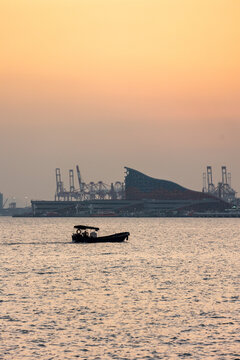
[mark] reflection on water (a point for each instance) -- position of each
(172, 291)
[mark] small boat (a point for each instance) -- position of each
(82, 235)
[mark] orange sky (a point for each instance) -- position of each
(162, 73)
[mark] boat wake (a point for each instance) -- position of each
(37, 243)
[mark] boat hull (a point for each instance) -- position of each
(119, 237)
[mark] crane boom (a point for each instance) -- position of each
(79, 178)
(5, 202)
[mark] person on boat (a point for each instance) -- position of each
(86, 234)
(79, 232)
(93, 234)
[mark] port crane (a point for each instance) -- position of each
(87, 191)
(223, 190)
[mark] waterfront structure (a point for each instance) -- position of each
(223, 190)
(86, 191)
(144, 196)
(139, 186)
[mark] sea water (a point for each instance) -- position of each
(172, 291)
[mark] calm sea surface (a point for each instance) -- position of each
(172, 291)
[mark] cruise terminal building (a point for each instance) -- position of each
(144, 196)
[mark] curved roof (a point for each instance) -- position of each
(145, 180)
(140, 186)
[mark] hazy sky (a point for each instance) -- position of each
(149, 84)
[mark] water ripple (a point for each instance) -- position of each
(171, 292)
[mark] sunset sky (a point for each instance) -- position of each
(148, 84)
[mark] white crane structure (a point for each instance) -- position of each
(90, 191)
(223, 190)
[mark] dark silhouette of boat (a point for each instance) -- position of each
(82, 235)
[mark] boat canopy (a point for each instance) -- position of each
(84, 227)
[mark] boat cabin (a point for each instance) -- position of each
(86, 231)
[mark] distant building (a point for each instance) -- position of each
(139, 186)
(144, 196)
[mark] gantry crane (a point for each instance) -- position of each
(90, 191)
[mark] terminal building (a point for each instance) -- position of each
(143, 196)
(139, 186)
